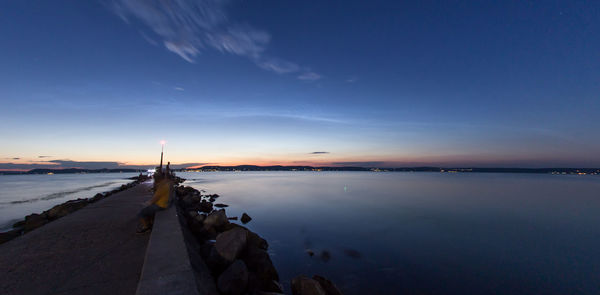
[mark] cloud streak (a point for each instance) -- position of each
(188, 27)
(310, 76)
(318, 153)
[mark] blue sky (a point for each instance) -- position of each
(396, 83)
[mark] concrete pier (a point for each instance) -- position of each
(92, 251)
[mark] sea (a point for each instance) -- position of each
(393, 232)
(24, 194)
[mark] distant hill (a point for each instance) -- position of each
(70, 171)
(402, 169)
(311, 168)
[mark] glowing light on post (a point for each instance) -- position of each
(162, 148)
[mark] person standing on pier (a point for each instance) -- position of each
(159, 201)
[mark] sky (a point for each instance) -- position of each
(325, 83)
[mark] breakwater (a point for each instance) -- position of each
(36, 220)
(236, 257)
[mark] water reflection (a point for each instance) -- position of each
(433, 233)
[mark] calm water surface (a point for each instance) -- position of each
(22, 195)
(424, 233)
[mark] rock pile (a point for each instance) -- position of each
(236, 257)
(34, 220)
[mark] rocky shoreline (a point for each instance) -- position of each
(33, 221)
(236, 257)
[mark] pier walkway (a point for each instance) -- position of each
(91, 251)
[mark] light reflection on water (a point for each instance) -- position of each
(429, 233)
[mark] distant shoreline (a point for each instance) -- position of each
(240, 168)
(70, 171)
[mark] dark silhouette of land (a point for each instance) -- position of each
(326, 168)
(402, 169)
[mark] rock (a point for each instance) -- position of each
(325, 255)
(189, 200)
(258, 261)
(214, 260)
(245, 218)
(34, 221)
(216, 220)
(272, 286)
(205, 206)
(19, 223)
(302, 285)
(200, 218)
(329, 287)
(231, 243)
(234, 279)
(193, 213)
(232, 218)
(254, 240)
(9, 235)
(64, 209)
(219, 205)
(310, 252)
(352, 253)
(96, 198)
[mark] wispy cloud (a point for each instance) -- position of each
(188, 27)
(178, 88)
(148, 39)
(311, 76)
(41, 157)
(352, 80)
(16, 158)
(318, 153)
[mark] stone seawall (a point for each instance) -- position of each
(234, 258)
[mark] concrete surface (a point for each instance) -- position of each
(167, 268)
(92, 251)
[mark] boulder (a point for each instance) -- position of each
(216, 220)
(200, 218)
(19, 223)
(234, 279)
(34, 221)
(193, 213)
(64, 209)
(9, 235)
(254, 240)
(302, 285)
(245, 218)
(189, 200)
(214, 260)
(258, 261)
(327, 285)
(255, 286)
(325, 256)
(205, 206)
(96, 198)
(231, 243)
